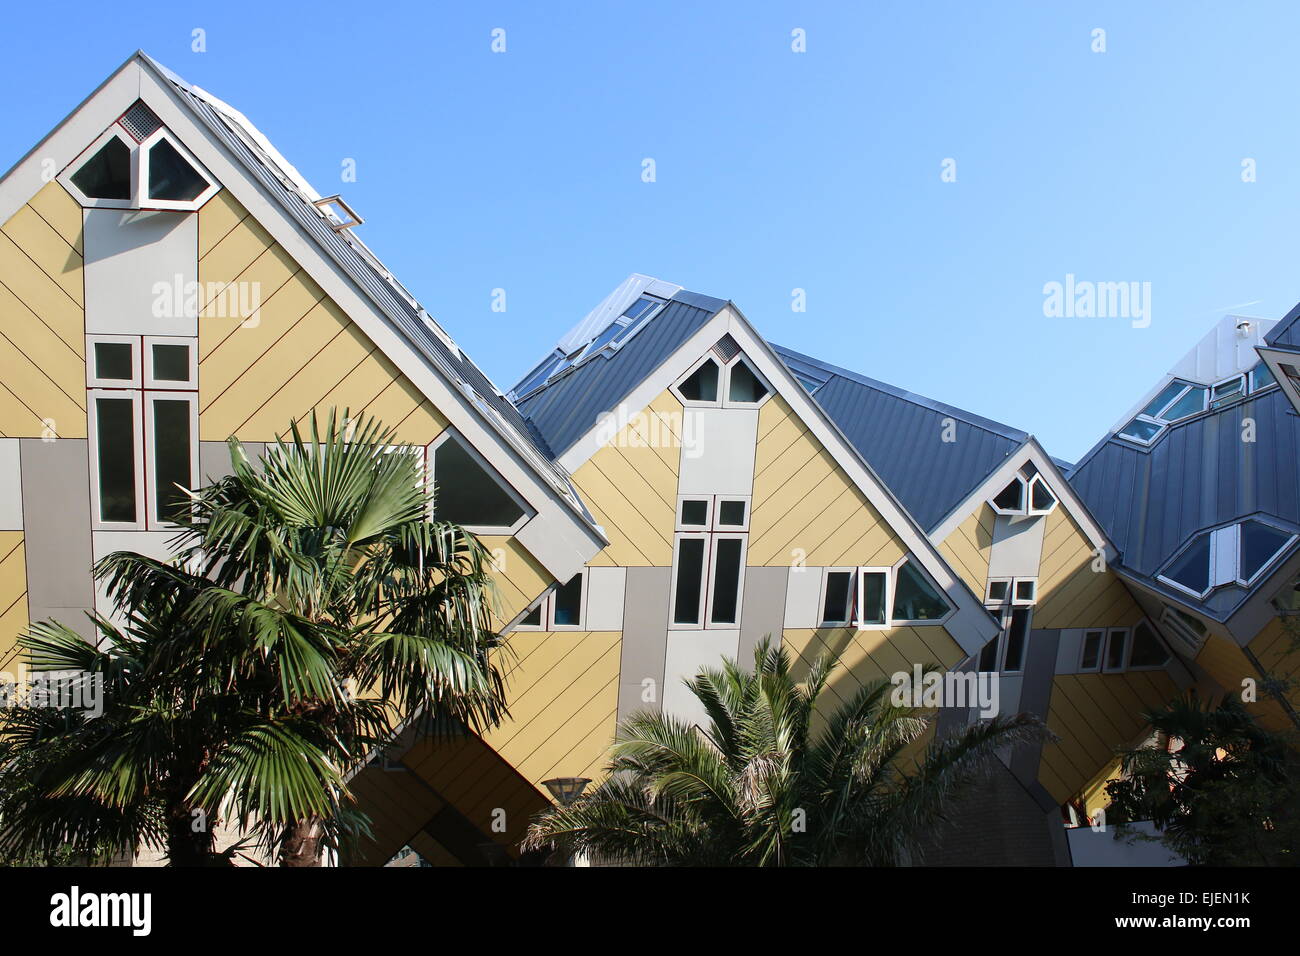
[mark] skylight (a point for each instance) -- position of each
(1237, 554)
(1180, 399)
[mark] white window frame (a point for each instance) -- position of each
(146, 361)
(944, 595)
(711, 556)
(65, 178)
(1038, 479)
(1004, 637)
(1024, 496)
(546, 603)
(1177, 555)
(1105, 651)
(528, 513)
(150, 448)
(990, 600)
(1237, 396)
(1016, 599)
(708, 356)
(1255, 388)
(708, 513)
(136, 397)
(1083, 648)
(140, 167)
(860, 594)
(727, 401)
(622, 321)
(136, 380)
(1272, 560)
(717, 512)
(855, 585)
(706, 569)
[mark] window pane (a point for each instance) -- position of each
(465, 493)
(170, 176)
(731, 514)
(1141, 430)
(745, 386)
(107, 174)
(1017, 637)
(1041, 496)
(568, 602)
(1166, 396)
(726, 581)
(998, 590)
(605, 337)
(171, 363)
(1115, 650)
(113, 361)
(1012, 497)
(115, 424)
(1025, 590)
(989, 656)
(702, 386)
(690, 581)
(533, 618)
(171, 456)
(1192, 570)
(1226, 392)
(915, 599)
(1147, 649)
(1189, 404)
(641, 307)
(695, 513)
(1259, 543)
(1092, 650)
(839, 590)
(1261, 377)
(873, 597)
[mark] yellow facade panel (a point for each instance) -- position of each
(56, 206)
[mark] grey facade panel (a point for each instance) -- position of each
(56, 530)
(1035, 698)
(762, 611)
(645, 638)
(902, 436)
(1286, 334)
(214, 458)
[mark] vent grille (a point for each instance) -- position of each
(140, 121)
(726, 348)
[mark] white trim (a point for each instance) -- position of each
(136, 398)
(989, 599)
(1016, 599)
(146, 359)
(1095, 668)
(705, 567)
(708, 513)
(1030, 509)
(151, 447)
(860, 603)
(1017, 479)
(719, 501)
(925, 576)
(527, 515)
(675, 387)
(712, 573)
(1106, 667)
(850, 610)
(135, 381)
(112, 132)
(144, 200)
(549, 612)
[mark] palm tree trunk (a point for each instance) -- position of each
(186, 844)
(302, 844)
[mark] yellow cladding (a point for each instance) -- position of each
(630, 486)
(968, 548)
(273, 347)
(13, 594)
(43, 319)
(805, 508)
(562, 691)
(1224, 661)
(518, 576)
(1094, 715)
(1072, 592)
(398, 804)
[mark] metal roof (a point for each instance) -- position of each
(571, 404)
(1286, 334)
(285, 185)
(900, 434)
(1200, 475)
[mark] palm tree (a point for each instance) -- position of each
(317, 608)
(759, 786)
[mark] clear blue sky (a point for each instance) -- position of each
(775, 170)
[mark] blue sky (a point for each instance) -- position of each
(775, 170)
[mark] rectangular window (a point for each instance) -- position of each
(171, 421)
(693, 514)
(1090, 654)
(989, 655)
(113, 361)
(837, 603)
(567, 603)
(115, 437)
(873, 597)
(997, 592)
(728, 571)
(1116, 649)
(1017, 634)
(733, 513)
(1026, 590)
(688, 589)
(170, 363)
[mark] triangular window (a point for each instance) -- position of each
(468, 492)
(107, 174)
(702, 384)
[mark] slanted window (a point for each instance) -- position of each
(1175, 401)
(916, 600)
(107, 174)
(562, 609)
(1017, 639)
(709, 561)
(1189, 403)
(745, 388)
(1148, 650)
(1260, 545)
(1090, 653)
(1141, 430)
(1191, 569)
(702, 384)
(469, 492)
(724, 378)
(1226, 392)
(1011, 499)
(1234, 554)
(171, 177)
(1041, 498)
(1026, 494)
(837, 600)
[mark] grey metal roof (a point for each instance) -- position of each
(900, 434)
(1286, 334)
(408, 317)
(1199, 475)
(570, 405)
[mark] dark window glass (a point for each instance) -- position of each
(690, 581)
(116, 456)
(731, 514)
(170, 176)
(113, 361)
(989, 656)
(915, 599)
(1115, 650)
(171, 456)
(726, 581)
(702, 386)
(1042, 497)
(1012, 497)
(695, 513)
(1189, 404)
(1259, 543)
(568, 602)
(171, 363)
(873, 597)
(1092, 649)
(745, 386)
(1192, 568)
(107, 174)
(838, 605)
(1147, 649)
(998, 590)
(1017, 638)
(465, 493)
(533, 618)
(1261, 376)
(1025, 590)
